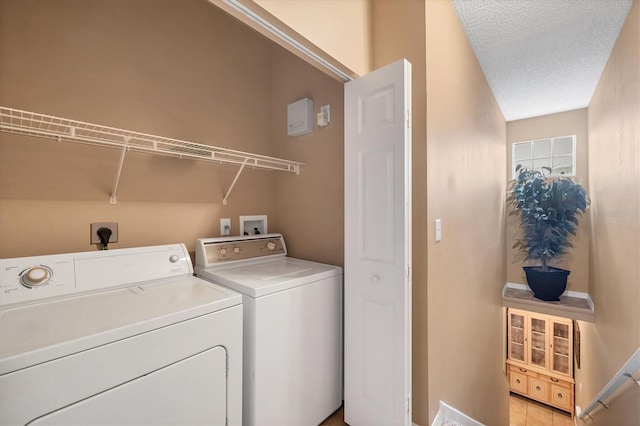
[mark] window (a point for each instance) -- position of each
(558, 154)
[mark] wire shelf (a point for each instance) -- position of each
(62, 129)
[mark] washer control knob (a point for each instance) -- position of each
(271, 246)
(36, 276)
(223, 251)
(174, 258)
(236, 250)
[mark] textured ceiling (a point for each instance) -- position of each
(542, 56)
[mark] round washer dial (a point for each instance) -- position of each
(36, 276)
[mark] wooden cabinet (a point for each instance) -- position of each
(562, 397)
(562, 347)
(518, 382)
(540, 358)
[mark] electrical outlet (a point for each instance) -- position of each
(225, 226)
(95, 239)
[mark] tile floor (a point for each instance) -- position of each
(526, 412)
(523, 412)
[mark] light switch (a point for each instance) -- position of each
(438, 230)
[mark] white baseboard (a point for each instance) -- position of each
(439, 420)
(447, 412)
(575, 417)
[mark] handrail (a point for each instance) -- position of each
(624, 374)
(62, 129)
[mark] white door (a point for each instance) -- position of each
(378, 247)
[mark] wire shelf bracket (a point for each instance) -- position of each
(61, 129)
(112, 197)
(235, 179)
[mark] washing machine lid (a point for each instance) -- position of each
(266, 277)
(47, 330)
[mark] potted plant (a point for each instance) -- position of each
(548, 209)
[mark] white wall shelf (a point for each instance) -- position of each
(62, 129)
(572, 304)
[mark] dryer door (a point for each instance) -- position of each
(191, 391)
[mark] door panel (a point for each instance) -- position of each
(192, 391)
(376, 205)
(379, 317)
(518, 382)
(561, 396)
(539, 389)
(517, 336)
(538, 337)
(562, 353)
(376, 109)
(378, 247)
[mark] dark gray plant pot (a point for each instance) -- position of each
(547, 286)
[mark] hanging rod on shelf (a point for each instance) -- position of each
(62, 129)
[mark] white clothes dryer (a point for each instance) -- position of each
(126, 337)
(292, 327)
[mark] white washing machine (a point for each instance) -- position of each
(292, 327)
(117, 337)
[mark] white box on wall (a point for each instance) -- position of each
(253, 225)
(300, 117)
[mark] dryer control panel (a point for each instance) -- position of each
(33, 278)
(30, 279)
(212, 251)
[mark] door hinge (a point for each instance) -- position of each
(408, 403)
(408, 119)
(408, 271)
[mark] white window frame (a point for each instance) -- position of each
(531, 157)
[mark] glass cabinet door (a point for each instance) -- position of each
(561, 354)
(538, 334)
(516, 336)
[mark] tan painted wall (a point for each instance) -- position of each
(179, 69)
(154, 67)
(561, 124)
(614, 182)
(466, 144)
(399, 32)
(310, 206)
(340, 28)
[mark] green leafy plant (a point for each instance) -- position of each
(548, 208)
